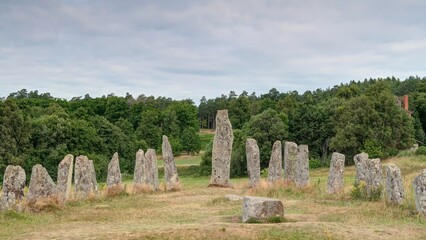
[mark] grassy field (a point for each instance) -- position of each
(199, 212)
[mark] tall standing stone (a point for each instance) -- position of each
(419, 184)
(394, 186)
(290, 161)
(84, 179)
(275, 164)
(222, 149)
(138, 176)
(41, 185)
(93, 174)
(170, 170)
(114, 184)
(302, 166)
(360, 161)
(64, 180)
(253, 161)
(374, 176)
(13, 187)
(151, 170)
(335, 177)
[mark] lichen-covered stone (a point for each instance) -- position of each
(138, 176)
(13, 187)
(290, 161)
(93, 173)
(84, 178)
(170, 169)
(222, 149)
(394, 185)
(374, 176)
(114, 184)
(419, 184)
(253, 161)
(360, 161)
(275, 169)
(64, 181)
(302, 166)
(261, 209)
(151, 170)
(41, 185)
(335, 178)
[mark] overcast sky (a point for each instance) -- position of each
(189, 49)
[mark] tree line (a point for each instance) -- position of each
(348, 118)
(38, 128)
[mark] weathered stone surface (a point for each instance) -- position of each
(419, 184)
(114, 184)
(275, 170)
(138, 177)
(335, 178)
(151, 170)
(13, 187)
(41, 185)
(222, 149)
(290, 161)
(93, 173)
(360, 161)
(233, 197)
(302, 166)
(84, 178)
(261, 209)
(394, 185)
(253, 161)
(374, 176)
(170, 170)
(64, 180)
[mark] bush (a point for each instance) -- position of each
(314, 163)
(360, 192)
(421, 150)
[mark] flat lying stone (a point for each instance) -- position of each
(261, 209)
(234, 197)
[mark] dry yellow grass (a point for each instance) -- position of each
(198, 212)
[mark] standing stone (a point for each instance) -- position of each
(419, 184)
(170, 170)
(114, 184)
(302, 166)
(151, 170)
(64, 180)
(13, 187)
(83, 178)
(253, 161)
(290, 160)
(93, 174)
(374, 176)
(41, 185)
(222, 149)
(138, 176)
(261, 209)
(394, 186)
(360, 161)
(335, 177)
(275, 164)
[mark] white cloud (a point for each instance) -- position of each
(187, 49)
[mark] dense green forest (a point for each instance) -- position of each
(349, 118)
